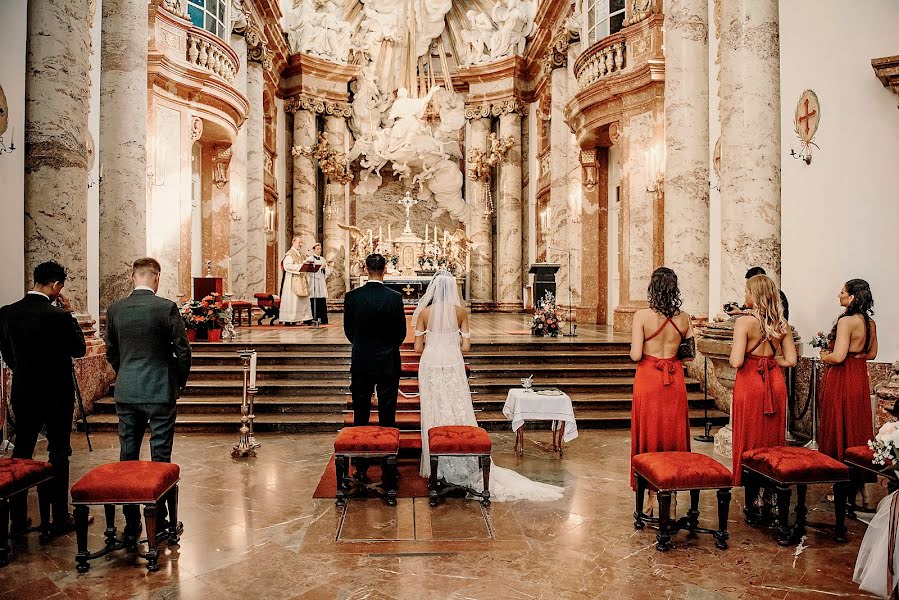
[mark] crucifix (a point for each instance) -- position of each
(407, 202)
(807, 117)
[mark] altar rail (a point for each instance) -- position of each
(603, 59)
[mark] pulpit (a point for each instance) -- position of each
(544, 279)
(204, 286)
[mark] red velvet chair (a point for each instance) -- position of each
(862, 470)
(365, 443)
(669, 472)
(17, 476)
(270, 305)
(240, 308)
(782, 467)
(458, 441)
(127, 482)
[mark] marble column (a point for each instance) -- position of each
(509, 219)
(750, 142)
(561, 208)
(57, 103)
(479, 226)
(687, 150)
(237, 186)
(123, 139)
(255, 128)
(305, 180)
(334, 244)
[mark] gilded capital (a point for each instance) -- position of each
(495, 109)
(317, 106)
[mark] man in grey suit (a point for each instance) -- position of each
(146, 344)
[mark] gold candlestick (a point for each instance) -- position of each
(244, 447)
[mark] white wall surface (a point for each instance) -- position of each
(93, 192)
(840, 214)
(13, 28)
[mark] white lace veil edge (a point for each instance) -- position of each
(443, 295)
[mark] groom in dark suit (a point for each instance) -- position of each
(146, 344)
(375, 323)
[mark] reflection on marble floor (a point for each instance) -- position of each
(252, 530)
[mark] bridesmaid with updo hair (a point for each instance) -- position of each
(845, 398)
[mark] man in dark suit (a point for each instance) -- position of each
(752, 272)
(375, 323)
(38, 342)
(146, 344)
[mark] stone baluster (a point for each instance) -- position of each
(750, 110)
(686, 149)
(479, 226)
(123, 146)
(509, 218)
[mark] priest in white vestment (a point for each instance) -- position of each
(318, 285)
(295, 305)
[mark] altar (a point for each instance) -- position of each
(411, 287)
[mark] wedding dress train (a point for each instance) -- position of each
(446, 400)
(871, 569)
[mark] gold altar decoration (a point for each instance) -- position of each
(483, 162)
(333, 164)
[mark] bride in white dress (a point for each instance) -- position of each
(441, 334)
(871, 568)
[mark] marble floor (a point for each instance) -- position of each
(253, 530)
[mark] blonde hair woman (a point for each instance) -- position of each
(763, 343)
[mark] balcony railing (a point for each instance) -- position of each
(603, 59)
(209, 52)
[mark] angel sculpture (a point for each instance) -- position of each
(458, 247)
(359, 248)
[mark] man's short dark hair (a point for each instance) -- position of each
(375, 263)
(146, 264)
(48, 272)
(755, 271)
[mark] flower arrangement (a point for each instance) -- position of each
(446, 262)
(547, 317)
(483, 161)
(820, 341)
(207, 313)
(427, 261)
(884, 445)
(392, 259)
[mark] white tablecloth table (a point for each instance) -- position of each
(526, 405)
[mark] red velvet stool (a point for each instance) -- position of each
(17, 476)
(240, 308)
(127, 482)
(669, 472)
(782, 467)
(365, 443)
(458, 441)
(862, 470)
(270, 305)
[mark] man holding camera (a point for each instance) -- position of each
(39, 337)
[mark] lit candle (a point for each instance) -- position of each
(253, 369)
(389, 234)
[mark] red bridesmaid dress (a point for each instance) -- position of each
(845, 407)
(759, 406)
(659, 418)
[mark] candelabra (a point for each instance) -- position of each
(245, 446)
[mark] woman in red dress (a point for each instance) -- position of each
(763, 342)
(845, 400)
(659, 419)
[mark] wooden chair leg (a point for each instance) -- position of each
(4, 532)
(485, 470)
(751, 487)
(693, 513)
(801, 512)
(784, 534)
(840, 490)
(390, 479)
(172, 503)
(721, 535)
(109, 534)
(81, 557)
(432, 481)
(663, 538)
(341, 467)
(43, 503)
(152, 555)
(640, 494)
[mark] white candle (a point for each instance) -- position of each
(435, 233)
(369, 237)
(380, 233)
(426, 233)
(253, 369)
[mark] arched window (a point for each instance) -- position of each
(209, 15)
(601, 18)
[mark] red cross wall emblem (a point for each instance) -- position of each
(807, 116)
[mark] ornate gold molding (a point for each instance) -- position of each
(495, 109)
(317, 106)
(257, 47)
(221, 159)
(556, 56)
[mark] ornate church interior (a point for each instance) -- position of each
(551, 165)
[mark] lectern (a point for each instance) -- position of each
(204, 286)
(544, 279)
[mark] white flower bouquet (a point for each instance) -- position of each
(884, 445)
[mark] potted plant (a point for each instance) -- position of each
(547, 317)
(204, 319)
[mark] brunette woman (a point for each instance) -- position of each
(845, 400)
(659, 419)
(763, 342)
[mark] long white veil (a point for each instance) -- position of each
(443, 296)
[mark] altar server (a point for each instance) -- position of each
(295, 306)
(318, 286)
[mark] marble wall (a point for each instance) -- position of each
(57, 103)
(686, 150)
(168, 213)
(750, 142)
(215, 246)
(123, 103)
(256, 237)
